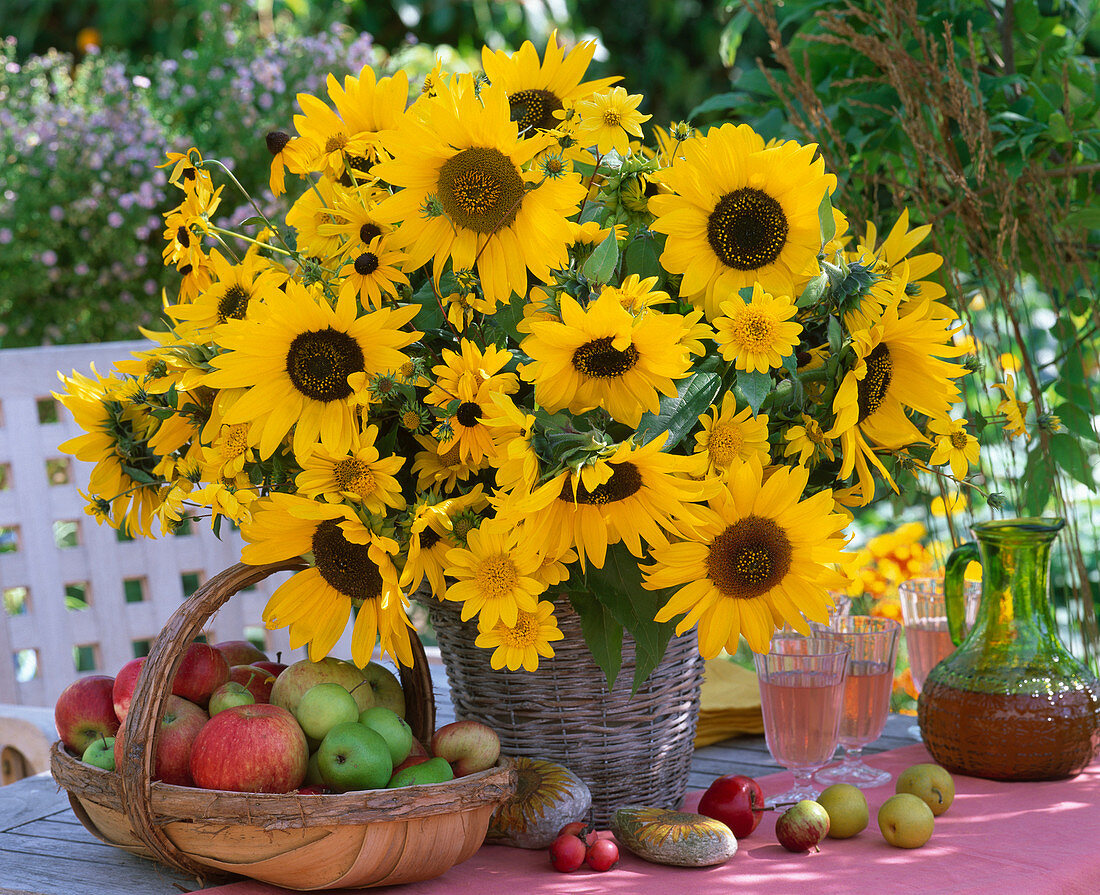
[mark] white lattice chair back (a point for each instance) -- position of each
(76, 598)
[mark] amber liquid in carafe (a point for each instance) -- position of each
(1010, 737)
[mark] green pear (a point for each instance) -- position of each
(434, 770)
(905, 820)
(929, 782)
(847, 808)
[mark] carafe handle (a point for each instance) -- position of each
(954, 587)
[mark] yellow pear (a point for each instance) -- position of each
(905, 820)
(847, 808)
(929, 782)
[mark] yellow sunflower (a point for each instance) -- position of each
(466, 195)
(954, 445)
(761, 556)
(445, 469)
(537, 90)
(360, 476)
(350, 216)
(352, 568)
(468, 429)
(604, 356)
(636, 494)
(373, 274)
(295, 363)
(494, 577)
(314, 222)
(430, 527)
(739, 214)
(235, 288)
(1013, 408)
(520, 645)
(473, 367)
(757, 335)
(808, 441)
(288, 154)
(731, 437)
(609, 120)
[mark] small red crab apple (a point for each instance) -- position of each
(581, 829)
(603, 854)
(567, 853)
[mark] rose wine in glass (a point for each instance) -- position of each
(924, 614)
(873, 644)
(801, 692)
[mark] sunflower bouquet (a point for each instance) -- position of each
(504, 348)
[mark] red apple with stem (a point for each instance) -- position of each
(250, 748)
(202, 670)
(123, 689)
(255, 680)
(240, 652)
(735, 800)
(179, 726)
(85, 712)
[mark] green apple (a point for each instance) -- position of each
(228, 695)
(313, 772)
(847, 808)
(385, 687)
(352, 756)
(323, 706)
(434, 770)
(290, 686)
(397, 734)
(100, 753)
(929, 782)
(905, 820)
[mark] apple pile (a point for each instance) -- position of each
(239, 722)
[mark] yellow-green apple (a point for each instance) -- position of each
(323, 706)
(256, 680)
(386, 687)
(228, 695)
(179, 726)
(291, 685)
(123, 690)
(930, 782)
(410, 762)
(250, 748)
(802, 826)
(85, 712)
(432, 770)
(397, 734)
(240, 652)
(100, 753)
(313, 772)
(847, 807)
(202, 670)
(353, 757)
(905, 820)
(468, 745)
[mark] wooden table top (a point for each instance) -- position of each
(44, 849)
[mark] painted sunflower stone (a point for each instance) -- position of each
(673, 837)
(548, 796)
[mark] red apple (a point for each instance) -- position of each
(274, 668)
(250, 748)
(418, 750)
(123, 689)
(410, 761)
(201, 672)
(179, 726)
(256, 680)
(85, 712)
(469, 746)
(240, 652)
(737, 801)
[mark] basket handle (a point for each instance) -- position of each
(151, 693)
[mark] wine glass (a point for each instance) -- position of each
(924, 615)
(801, 691)
(873, 644)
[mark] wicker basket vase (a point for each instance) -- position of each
(305, 842)
(630, 750)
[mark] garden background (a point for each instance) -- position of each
(980, 118)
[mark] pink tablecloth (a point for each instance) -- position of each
(999, 838)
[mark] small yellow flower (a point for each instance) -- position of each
(954, 445)
(757, 335)
(1014, 410)
(608, 120)
(521, 644)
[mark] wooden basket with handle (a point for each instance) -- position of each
(307, 842)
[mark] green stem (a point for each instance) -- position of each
(251, 201)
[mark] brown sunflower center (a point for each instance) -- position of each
(345, 567)
(535, 108)
(469, 412)
(601, 360)
(183, 237)
(366, 264)
(747, 229)
(625, 480)
(872, 388)
(319, 363)
(429, 538)
(749, 558)
(275, 141)
(368, 232)
(355, 476)
(234, 304)
(480, 189)
(958, 440)
(336, 142)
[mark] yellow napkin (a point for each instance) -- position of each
(729, 703)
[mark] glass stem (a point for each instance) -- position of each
(853, 755)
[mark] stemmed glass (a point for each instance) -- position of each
(924, 614)
(801, 691)
(873, 644)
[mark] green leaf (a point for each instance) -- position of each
(601, 264)
(732, 35)
(1035, 486)
(642, 255)
(836, 336)
(602, 633)
(755, 387)
(1084, 218)
(254, 221)
(1076, 420)
(815, 291)
(680, 414)
(1068, 454)
(430, 315)
(825, 218)
(720, 102)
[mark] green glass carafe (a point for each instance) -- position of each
(1011, 703)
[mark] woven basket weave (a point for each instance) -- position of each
(629, 750)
